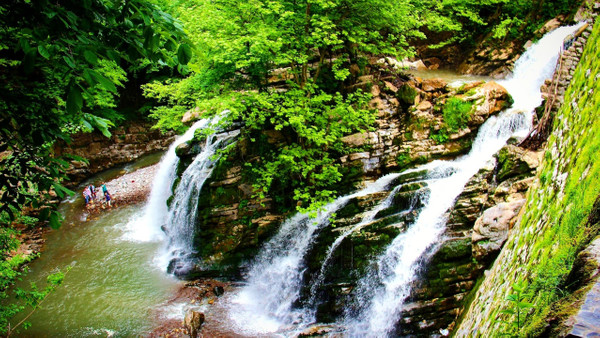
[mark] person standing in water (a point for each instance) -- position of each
(107, 196)
(87, 194)
(93, 191)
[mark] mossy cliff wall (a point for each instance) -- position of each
(555, 224)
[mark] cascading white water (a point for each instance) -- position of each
(184, 206)
(264, 305)
(146, 227)
(367, 218)
(380, 294)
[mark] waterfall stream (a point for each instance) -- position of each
(183, 210)
(266, 304)
(380, 294)
(146, 227)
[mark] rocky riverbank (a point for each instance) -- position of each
(128, 189)
(126, 144)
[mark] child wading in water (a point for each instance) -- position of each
(107, 196)
(87, 194)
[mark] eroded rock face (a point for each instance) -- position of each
(516, 162)
(491, 229)
(125, 145)
(411, 117)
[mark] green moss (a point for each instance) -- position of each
(407, 94)
(564, 214)
(403, 160)
(456, 113)
(440, 136)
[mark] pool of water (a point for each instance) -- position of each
(114, 286)
(450, 76)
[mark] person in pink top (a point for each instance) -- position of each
(87, 194)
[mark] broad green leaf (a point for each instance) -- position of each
(90, 57)
(55, 219)
(69, 61)
(184, 53)
(74, 100)
(103, 81)
(89, 78)
(61, 191)
(43, 52)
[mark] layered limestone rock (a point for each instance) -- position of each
(491, 229)
(232, 223)
(411, 128)
(126, 144)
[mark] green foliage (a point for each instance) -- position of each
(456, 113)
(516, 310)
(317, 121)
(403, 160)
(440, 136)
(29, 300)
(61, 67)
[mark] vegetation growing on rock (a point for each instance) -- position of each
(556, 225)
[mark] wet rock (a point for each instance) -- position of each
(514, 161)
(491, 229)
(424, 106)
(180, 266)
(407, 94)
(489, 99)
(191, 116)
(431, 85)
(183, 149)
(218, 290)
(390, 87)
(317, 330)
(193, 322)
(585, 272)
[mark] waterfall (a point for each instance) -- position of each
(366, 219)
(379, 296)
(265, 304)
(182, 212)
(147, 227)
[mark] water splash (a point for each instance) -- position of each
(380, 294)
(265, 304)
(180, 223)
(367, 218)
(147, 226)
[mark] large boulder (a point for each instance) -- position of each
(432, 85)
(191, 116)
(491, 229)
(489, 98)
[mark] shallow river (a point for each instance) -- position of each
(114, 285)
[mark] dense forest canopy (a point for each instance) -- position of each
(247, 52)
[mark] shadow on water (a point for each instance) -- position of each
(113, 287)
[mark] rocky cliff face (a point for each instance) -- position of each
(232, 225)
(126, 144)
(557, 221)
(411, 129)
